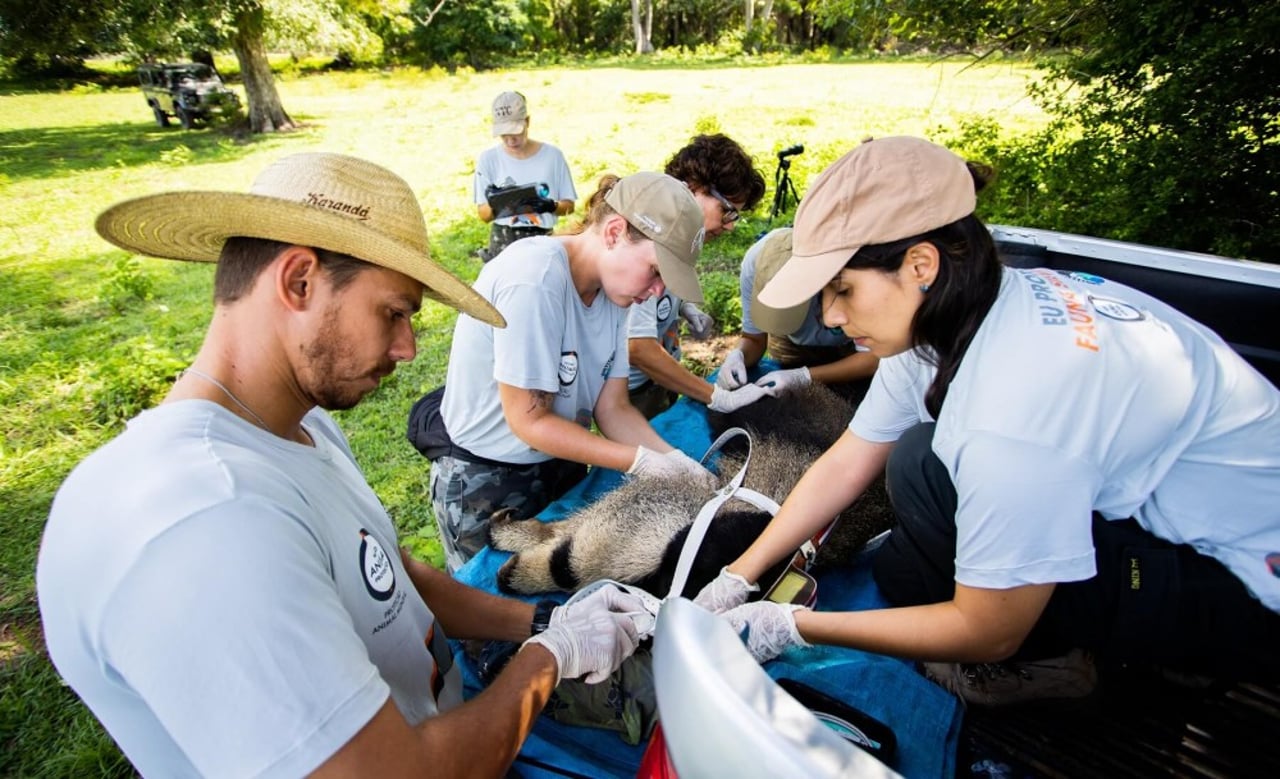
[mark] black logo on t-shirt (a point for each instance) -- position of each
(375, 565)
(664, 308)
(568, 368)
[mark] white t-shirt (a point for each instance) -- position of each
(229, 603)
(553, 342)
(547, 166)
(1079, 394)
(811, 333)
(658, 317)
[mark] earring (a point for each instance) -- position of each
(924, 287)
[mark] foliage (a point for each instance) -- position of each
(1171, 134)
(474, 34)
(133, 376)
(721, 299)
(126, 283)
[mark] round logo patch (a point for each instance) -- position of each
(664, 308)
(379, 576)
(1116, 309)
(568, 370)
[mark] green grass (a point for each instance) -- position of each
(87, 338)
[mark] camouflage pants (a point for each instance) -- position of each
(465, 494)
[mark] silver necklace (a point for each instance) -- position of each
(261, 422)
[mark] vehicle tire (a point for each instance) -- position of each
(162, 118)
(185, 117)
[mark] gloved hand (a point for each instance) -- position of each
(700, 323)
(724, 400)
(777, 382)
(649, 463)
(592, 636)
(767, 628)
(726, 591)
(733, 373)
(543, 205)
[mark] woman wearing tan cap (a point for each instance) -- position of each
(520, 160)
(519, 403)
(1077, 468)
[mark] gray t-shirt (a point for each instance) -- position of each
(553, 342)
(658, 317)
(230, 603)
(500, 169)
(811, 333)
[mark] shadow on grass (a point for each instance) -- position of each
(49, 152)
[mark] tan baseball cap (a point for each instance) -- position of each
(509, 112)
(664, 210)
(774, 253)
(884, 190)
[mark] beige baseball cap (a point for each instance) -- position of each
(774, 253)
(884, 190)
(664, 210)
(509, 113)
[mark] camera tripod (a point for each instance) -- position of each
(783, 188)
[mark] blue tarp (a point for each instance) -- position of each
(925, 719)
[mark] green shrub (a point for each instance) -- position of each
(721, 299)
(126, 284)
(133, 376)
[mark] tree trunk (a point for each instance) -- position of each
(266, 114)
(748, 14)
(643, 46)
(768, 9)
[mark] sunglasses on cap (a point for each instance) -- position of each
(728, 211)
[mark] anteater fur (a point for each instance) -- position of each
(634, 533)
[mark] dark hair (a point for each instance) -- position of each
(968, 280)
(242, 259)
(597, 210)
(718, 161)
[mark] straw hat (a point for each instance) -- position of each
(774, 253)
(327, 201)
(884, 190)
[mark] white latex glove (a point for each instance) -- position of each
(592, 637)
(777, 382)
(700, 323)
(726, 591)
(724, 400)
(733, 373)
(649, 463)
(767, 628)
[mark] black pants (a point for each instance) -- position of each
(1151, 601)
(502, 236)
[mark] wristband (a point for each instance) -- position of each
(541, 616)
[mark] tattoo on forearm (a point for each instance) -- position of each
(541, 399)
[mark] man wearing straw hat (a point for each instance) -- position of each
(219, 583)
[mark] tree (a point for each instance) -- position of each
(643, 27)
(266, 113)
(1168, 126)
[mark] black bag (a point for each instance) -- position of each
(426, 426)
